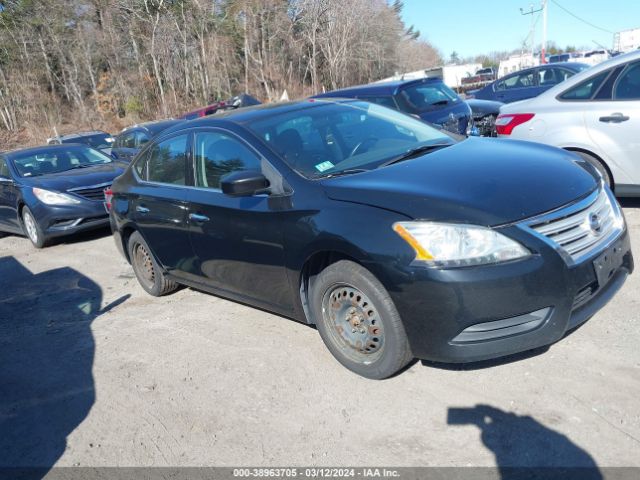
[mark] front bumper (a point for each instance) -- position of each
(472, 314)
(57, 221)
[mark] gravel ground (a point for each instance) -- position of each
(94, 372)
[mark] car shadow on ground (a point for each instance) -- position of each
(523, 447)
(79, 237)
(630, 202)
(46, 360)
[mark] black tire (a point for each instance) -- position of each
(598, 165)
(149, 274)
(32, 230)
(368, 337)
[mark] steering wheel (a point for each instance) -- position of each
(367, 142)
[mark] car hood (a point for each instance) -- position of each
(449, 116)
(82, 177)
(480, 181)
(481, 108)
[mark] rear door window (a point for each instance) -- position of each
(522, 80)
(628, 85)
(127, 140)
(167, 161)
(586, 89)
(140, 139)
(550, 76)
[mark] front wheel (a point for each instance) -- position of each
(32, 229)
(358, 321)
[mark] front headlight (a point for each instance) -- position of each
(54, 198)
(452, 245)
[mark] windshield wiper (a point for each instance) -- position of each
(348, 171)
(83, 165)
(414, 152)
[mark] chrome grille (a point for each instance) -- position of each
(92, 192)
(580, 229)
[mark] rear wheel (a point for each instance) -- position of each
(598, 165)
(32, 229)
(358, 321)
(147, 270)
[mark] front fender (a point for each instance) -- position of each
(366, 238)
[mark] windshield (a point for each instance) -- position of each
(330, 138)
(101, 140)
(56, 160)
(426, 97)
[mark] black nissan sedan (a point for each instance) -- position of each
(394, 239)
(57, 190)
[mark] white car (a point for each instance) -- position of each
(595, 113)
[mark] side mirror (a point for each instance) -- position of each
(244, 183)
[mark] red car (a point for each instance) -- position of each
(242, 100)
(204, 111)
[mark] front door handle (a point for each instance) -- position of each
(141, 209)
(614, 118)
(198, 218)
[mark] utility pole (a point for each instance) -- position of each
(543, 58)
(532, 31)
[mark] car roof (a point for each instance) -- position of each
(256, 112)
(382, 88)
(570, 65)
(82, 134)
(153, 126)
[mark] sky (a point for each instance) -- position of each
(472, 27)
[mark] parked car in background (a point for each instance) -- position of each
(239, 101)
(596, 114)
(57, 190)
(427, 98)
(203, 111)
(97, 139)
(481, 77)
(527, 83)
(131, 140)
(395, 239)
(559, 58)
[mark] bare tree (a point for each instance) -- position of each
(110, 62)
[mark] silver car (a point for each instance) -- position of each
(595, 113)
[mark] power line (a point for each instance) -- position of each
(532, 29)
(581, 19)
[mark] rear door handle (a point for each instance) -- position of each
(141, 209)
(614, 118)
(198, 218)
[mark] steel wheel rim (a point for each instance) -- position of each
(30, 225)
(144, 265)
(353, 323)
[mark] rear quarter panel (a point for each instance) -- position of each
(563, 126)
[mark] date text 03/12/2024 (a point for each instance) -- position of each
(315, 472)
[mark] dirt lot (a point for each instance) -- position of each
(95, 372)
